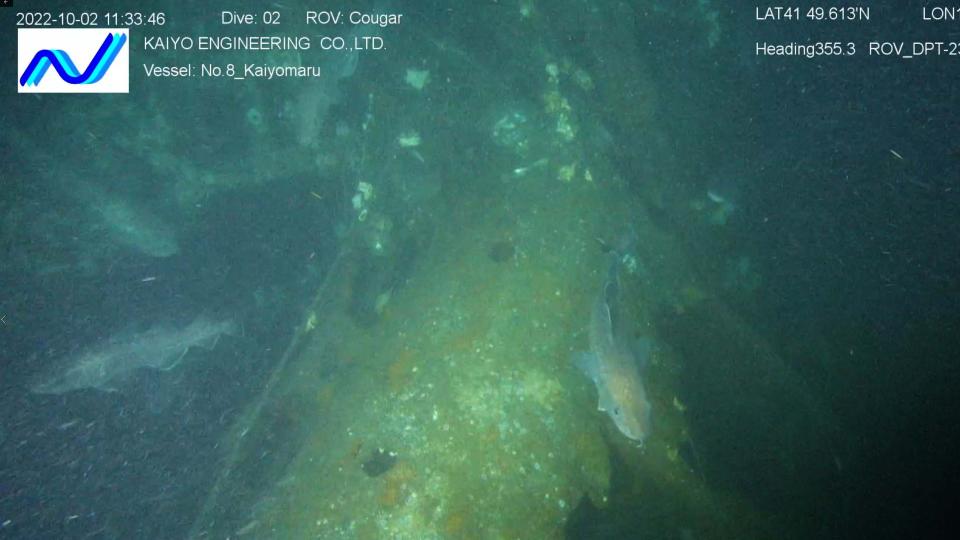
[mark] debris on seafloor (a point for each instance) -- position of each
(379, 462)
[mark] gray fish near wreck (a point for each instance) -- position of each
(613, 364)
(107, 364)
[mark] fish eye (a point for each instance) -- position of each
(616, 411)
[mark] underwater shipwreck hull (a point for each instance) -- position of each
(458, 413)
(401, 429)
(452, 408)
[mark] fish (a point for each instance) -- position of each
(108, 364)
(613, 364)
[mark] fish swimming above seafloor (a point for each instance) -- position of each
(108, 364)
(614, 364)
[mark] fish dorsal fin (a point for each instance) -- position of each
(611, 307)
(610, 292)
(607, 315)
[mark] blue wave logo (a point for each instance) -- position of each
(65, 67)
